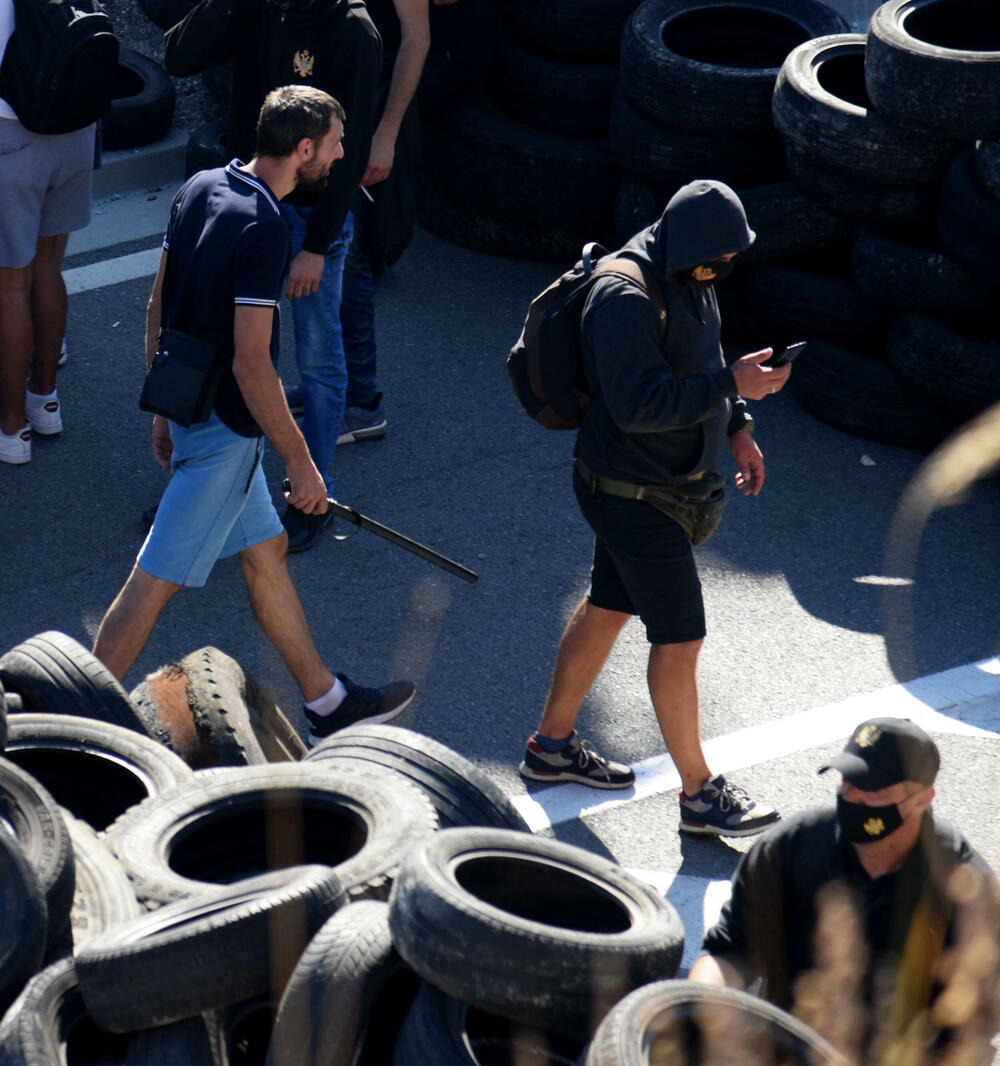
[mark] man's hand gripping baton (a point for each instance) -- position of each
(339, 510)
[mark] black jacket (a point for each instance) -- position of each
(661, 403)
(773, 924)
(331, 44)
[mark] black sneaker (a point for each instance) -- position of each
(576, 762)
(303, 529)
(722, 809)
(363, 423)
(362, 705)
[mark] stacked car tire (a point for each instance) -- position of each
(142, 104)
(695, 95)
(894, 135)
(377, 897)
(523, 167)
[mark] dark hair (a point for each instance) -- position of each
(292, 112)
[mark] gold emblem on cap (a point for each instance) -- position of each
(703, 273)
(303, 63)
(867, 736)
(874, 827)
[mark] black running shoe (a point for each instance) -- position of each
(722, 809)
(361, 705)
(578, 761)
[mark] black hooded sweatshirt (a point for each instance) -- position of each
(330, 44)
(663, 402)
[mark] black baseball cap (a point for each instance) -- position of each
(885, 751)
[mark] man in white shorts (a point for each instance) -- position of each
(45, 189)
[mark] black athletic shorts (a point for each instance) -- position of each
(643, 565)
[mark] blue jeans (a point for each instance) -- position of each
(319, 345)
(357, 313)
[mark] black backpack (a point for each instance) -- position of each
(546, 364)
(58, 72)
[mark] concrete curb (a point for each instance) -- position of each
(160, 163)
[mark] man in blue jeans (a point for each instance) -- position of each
(319, 352)
(404, 26)
(331, 45)
(223, 269)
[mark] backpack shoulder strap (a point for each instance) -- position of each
(642, 274)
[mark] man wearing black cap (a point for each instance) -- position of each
(872, 904)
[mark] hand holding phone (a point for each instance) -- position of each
(787, 355)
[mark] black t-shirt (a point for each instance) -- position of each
(332, 45)
(383, 14)
(227, 245)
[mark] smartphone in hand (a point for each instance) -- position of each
(787, 355)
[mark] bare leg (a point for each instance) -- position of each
(126, 627)
(583, 650)
(15, 344)
(279, 613)
(48, 312)
(673, 687)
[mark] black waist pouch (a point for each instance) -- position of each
(183, 381)
(696, 506)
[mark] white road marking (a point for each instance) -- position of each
(882, 581)
(698, 901)
(970, 694)
(112, 271)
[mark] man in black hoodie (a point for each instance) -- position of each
(334, 46)
(663, 403)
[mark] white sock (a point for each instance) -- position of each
(53, 395)
(331, 701)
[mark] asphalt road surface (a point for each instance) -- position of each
(811, 627)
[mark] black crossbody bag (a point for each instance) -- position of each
(184, 379)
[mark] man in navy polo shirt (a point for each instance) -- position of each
(330, 45)
(222, 272)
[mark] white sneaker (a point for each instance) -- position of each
(16, 449)
(63, 355)
(43, 414)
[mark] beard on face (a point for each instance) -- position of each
(311, 177)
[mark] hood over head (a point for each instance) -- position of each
(702, 221)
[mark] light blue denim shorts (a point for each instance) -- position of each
(216, 504)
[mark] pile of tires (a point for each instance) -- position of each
(694, 100)
(523, 167)
(892, 138)
(375, 899)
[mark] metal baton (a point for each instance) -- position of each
(339, 510)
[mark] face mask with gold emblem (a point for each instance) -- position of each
(861, 824)
(705, 274)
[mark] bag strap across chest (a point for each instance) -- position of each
(642, 275)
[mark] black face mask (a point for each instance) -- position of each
(861, 824)
(705, 274)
